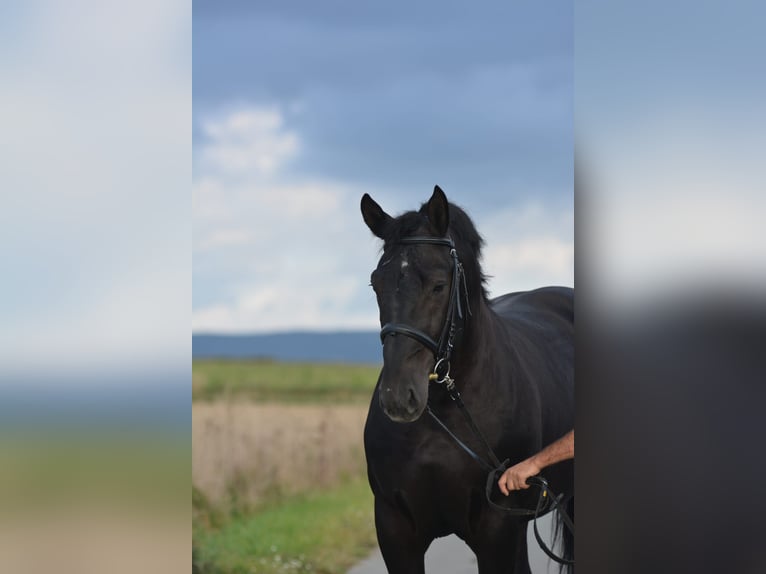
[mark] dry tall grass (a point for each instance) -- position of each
(247, 453)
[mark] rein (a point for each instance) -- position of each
(442, 351)
(496, 469)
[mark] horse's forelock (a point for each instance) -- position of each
(463, 232)
(406, 225)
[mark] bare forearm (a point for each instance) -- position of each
(562, 449)
(515, 478)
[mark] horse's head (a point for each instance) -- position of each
(413, 283)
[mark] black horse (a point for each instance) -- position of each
(511, 360)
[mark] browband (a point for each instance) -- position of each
(446, 241)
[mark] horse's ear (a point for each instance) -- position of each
(438, 211)
(374, 216)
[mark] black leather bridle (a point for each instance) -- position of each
(441, 349)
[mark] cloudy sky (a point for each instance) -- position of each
(300, 108)
(671, 134)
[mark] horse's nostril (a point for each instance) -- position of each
(412, 399)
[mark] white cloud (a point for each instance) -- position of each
(209, 200)
(286, 303)
(306, 201)
(266, 213)
(249, 140)
(528, 246)
(529, 264)
(273, 252)
(225, 238)
(300, 268)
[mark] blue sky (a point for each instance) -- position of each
(299, 109)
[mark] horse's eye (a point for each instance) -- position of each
(439, 287)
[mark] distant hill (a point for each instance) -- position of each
(342, 346)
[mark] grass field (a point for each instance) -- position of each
(249, 452)
(270, 381)
(324, 532)
(278, 473)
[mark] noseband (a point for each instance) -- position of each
(441, 349)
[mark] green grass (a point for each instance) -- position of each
(322, 532)
(270, 381)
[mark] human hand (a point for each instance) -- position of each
(515, 478)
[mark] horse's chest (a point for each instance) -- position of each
(435, 490)
(432, 469)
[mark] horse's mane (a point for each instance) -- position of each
(462, 231)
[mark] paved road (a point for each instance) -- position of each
(450, 555)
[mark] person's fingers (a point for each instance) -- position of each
(510, 481)
(501, 484)
(513, 480)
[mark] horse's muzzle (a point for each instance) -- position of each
(403, 404)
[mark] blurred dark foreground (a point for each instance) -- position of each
(670, 452)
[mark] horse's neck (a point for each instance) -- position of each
(480, 346)
(491, 375)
